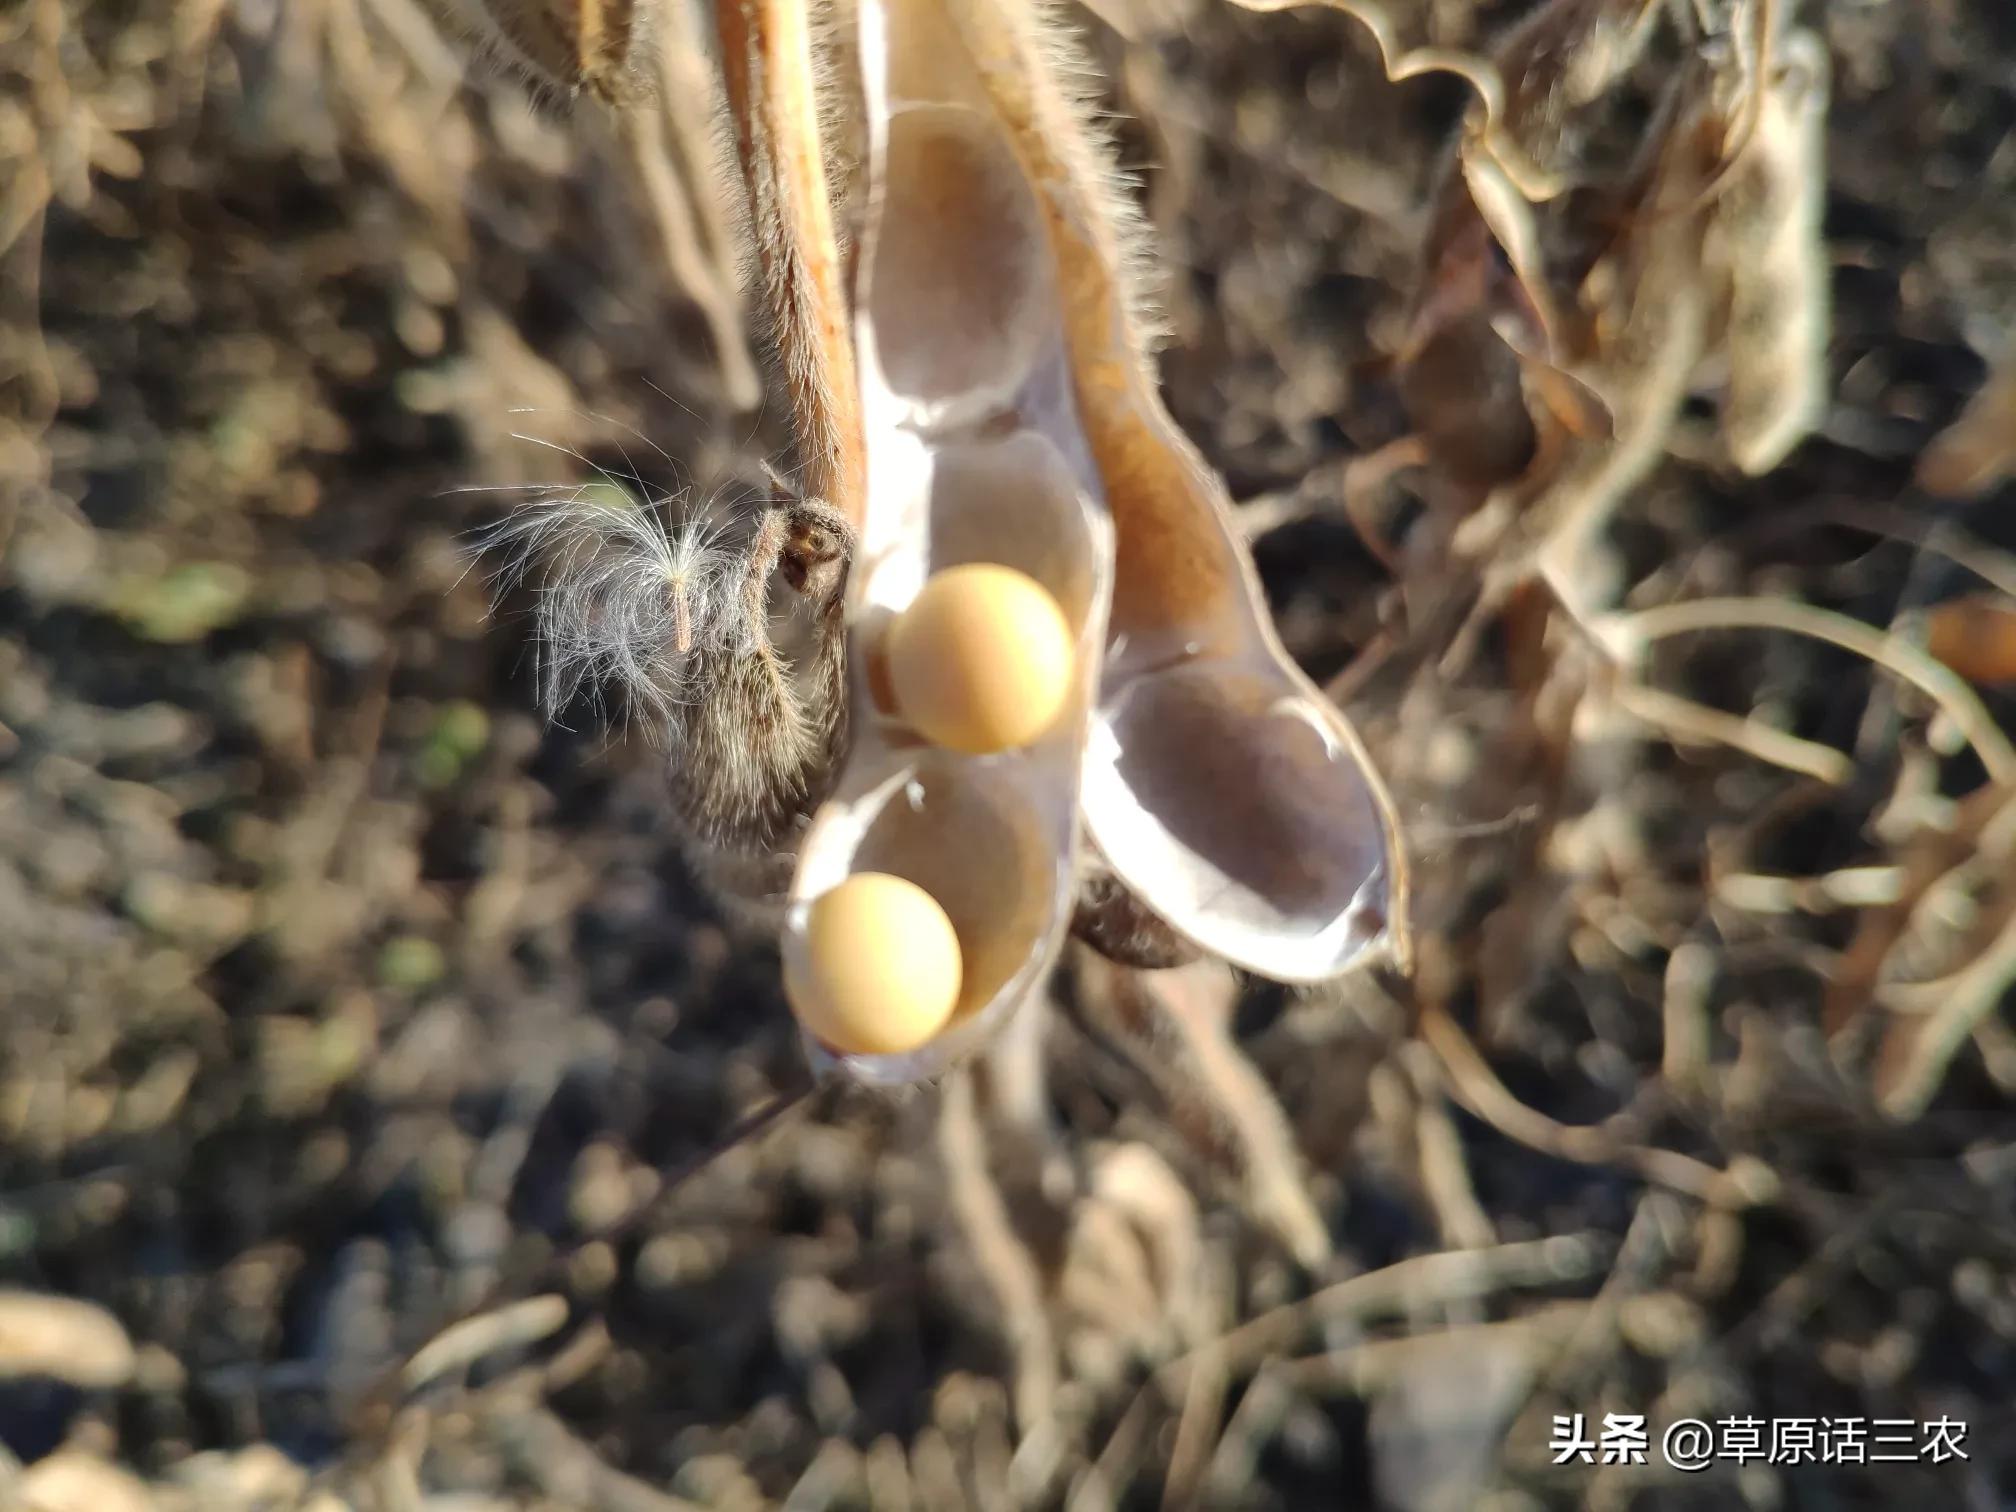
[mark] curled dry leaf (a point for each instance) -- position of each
(1640, 314)
(1497, 369)
(1533, 92)
(1569, 328)
(1632, 206)
(1217, 784)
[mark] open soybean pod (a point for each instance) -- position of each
(974, 455)
(1011, 416)
(1221, 787)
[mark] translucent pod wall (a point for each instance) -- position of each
(974, 454)
(1011, 416)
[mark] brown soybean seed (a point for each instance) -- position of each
(982, 659)
(877, 969)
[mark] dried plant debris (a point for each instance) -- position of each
(1631, 209)
(390, 1099)
(1975, 452)
(599, 48)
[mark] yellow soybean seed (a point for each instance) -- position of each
(877, 969)
(981, 660)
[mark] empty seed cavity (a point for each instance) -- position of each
(959, 295)
(1012, 500)
(1244, 802)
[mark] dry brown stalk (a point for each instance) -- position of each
(1176, 1026)
(1628, 633)
(1004, 1261)
(766, 60)
(1478, 1088)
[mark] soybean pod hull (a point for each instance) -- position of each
(1220, 785)
(974, 453)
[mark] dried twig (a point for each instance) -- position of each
(1176, 1026)
(1915, 1061)
(1629, 633)
(462, 1344)
(766, 58)
(1003, 1259)
(1478, 1088)
(1684, 720)
(666, 149)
